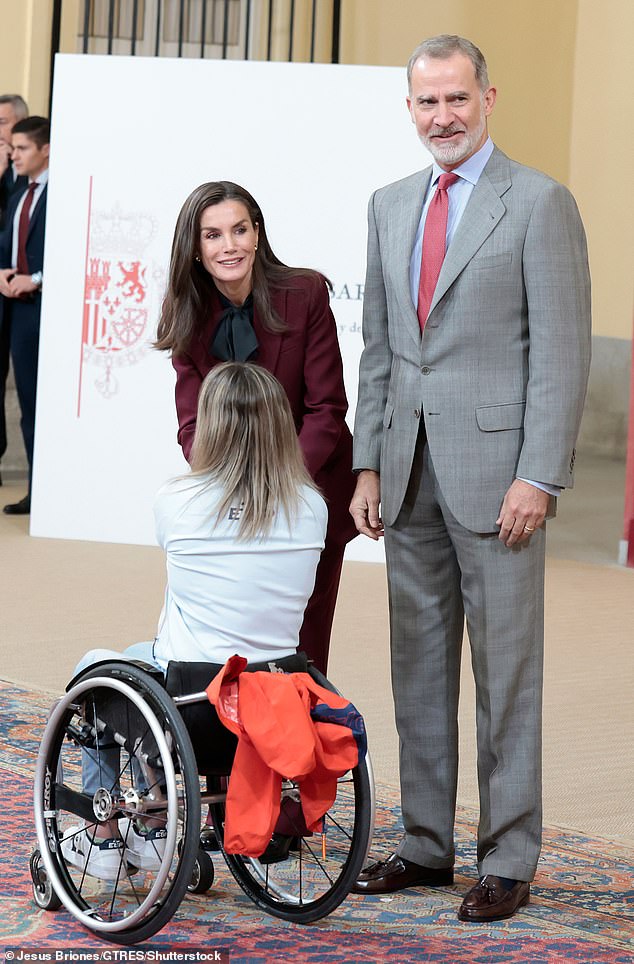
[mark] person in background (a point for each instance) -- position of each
(12, 109)
(21, 263)
(230, 297)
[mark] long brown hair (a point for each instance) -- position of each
(246, 443)
(191, 288)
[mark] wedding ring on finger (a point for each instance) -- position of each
(528, 529)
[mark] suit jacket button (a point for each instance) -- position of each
(425, 370)
(417, 413)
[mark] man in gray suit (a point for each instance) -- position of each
(471, 388)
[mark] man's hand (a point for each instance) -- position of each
(21, 285)
(6, 274)
(523, 510)
(364, 507)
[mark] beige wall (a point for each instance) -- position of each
(529, 48)
(601, 152)
(72, 10)
(25, 51)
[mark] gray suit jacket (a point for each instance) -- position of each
(499, 374)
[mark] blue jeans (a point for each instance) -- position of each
(101, 768)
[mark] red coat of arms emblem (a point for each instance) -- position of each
(120, 289)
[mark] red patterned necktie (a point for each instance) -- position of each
(23, 229)
(434, 245)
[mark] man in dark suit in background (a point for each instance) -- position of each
(21, 261)
(12, 109)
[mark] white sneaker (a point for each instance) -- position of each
(96, 856)
(144, 846)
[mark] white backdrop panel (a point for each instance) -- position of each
(131, 138)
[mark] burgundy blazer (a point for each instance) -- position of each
(306, 360)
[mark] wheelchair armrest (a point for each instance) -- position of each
(183, 678)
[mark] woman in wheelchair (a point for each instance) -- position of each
(242, 533)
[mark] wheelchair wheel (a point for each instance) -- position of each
(149, 802)
(315, 873)
(202, 874)
(43, 893)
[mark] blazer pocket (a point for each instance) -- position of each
(492, 260)
(292, 343)
(498, 418)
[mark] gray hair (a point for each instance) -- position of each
(18, 103)
(442, 47)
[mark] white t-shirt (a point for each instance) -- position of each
(226, 596)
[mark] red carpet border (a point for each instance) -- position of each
(580, 910)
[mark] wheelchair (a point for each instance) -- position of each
(174, 757)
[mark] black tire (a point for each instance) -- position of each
(202, 874)
(43, 893)
(306, 886)
(157, 782)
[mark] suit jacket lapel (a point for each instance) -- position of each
(269, 343)
(405, 216)
(35, 213)
(482, 214)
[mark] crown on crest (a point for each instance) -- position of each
(124, 233)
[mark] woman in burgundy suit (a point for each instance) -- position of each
(230, 298)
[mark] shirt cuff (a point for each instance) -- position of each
(545, 487)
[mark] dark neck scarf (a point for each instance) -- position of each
(234, 338)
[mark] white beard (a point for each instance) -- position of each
(454, 153)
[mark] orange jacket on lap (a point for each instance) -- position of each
(270, 713)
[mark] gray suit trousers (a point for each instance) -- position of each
(438, 573)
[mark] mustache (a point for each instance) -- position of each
(452, 129)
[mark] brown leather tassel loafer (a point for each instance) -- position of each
(490, 900)
(396, 873)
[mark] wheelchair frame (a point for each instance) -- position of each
(158, 783)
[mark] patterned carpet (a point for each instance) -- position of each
(580, 910)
